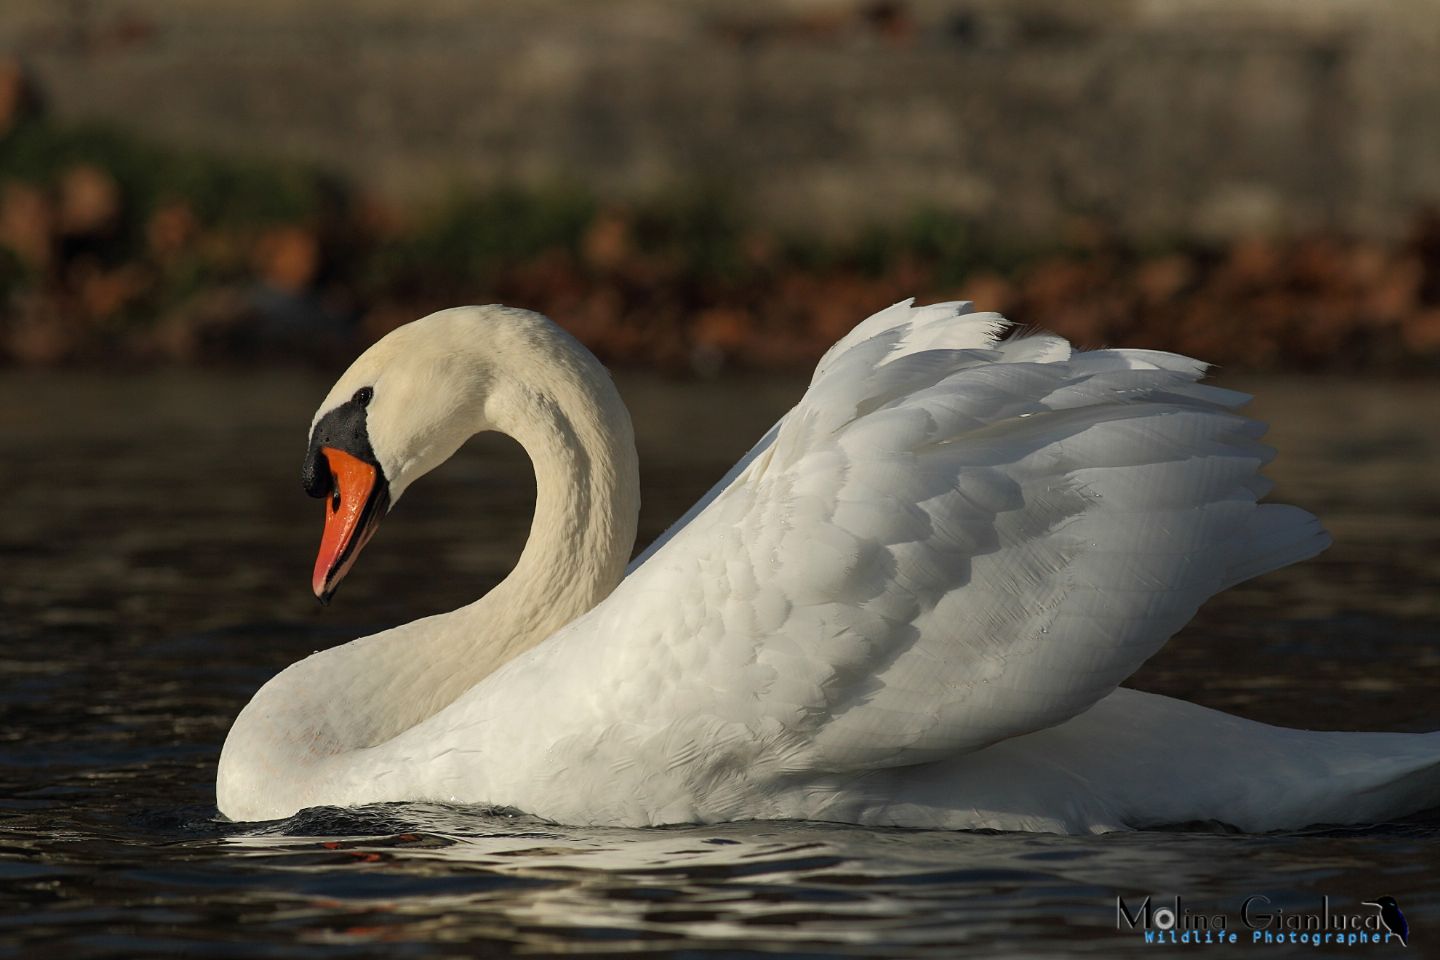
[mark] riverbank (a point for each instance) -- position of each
(114, 249)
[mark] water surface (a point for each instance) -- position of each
(156, 548)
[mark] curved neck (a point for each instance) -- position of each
(578, 436)
(560, 404)
(566, 413)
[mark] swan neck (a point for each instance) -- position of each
(307, 729)
(580, 442)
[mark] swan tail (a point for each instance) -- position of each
(1138, 760)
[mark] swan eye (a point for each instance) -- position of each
(363, 395)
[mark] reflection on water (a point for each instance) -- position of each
(156, 548)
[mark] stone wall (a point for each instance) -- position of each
(1167, 118)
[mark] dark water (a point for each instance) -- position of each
(155, 550)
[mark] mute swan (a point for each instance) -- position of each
(909, 604)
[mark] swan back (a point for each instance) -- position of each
(950, 541)
(943, 559)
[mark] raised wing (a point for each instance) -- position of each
(910, 329)
(951, 540)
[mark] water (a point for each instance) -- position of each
(156, 547)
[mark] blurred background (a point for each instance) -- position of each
(207, 208)
(711, 184)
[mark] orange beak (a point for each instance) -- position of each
(356, 503)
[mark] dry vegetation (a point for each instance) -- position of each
(113, 249)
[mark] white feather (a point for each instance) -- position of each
(910, 603)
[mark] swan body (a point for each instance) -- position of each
(910, 604)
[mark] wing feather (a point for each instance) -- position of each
(950, 541)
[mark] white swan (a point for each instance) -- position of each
(910, 604)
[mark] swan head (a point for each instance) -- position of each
(403, 408)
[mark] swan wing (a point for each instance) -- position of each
(910, 330)
(950, 541)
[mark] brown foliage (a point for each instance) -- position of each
(1320, 301)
